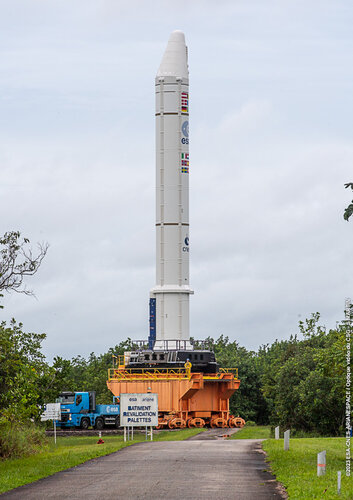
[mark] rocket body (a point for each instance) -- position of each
(170, 296)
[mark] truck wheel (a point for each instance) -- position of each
(99, 423)
(117, 422)
(85, 423)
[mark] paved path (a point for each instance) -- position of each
(211, 434)
(173, 470)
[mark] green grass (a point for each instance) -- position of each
(68, 452)
(253, 432)
(20, 440)
(296, 468)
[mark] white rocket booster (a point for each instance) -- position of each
(169, 304)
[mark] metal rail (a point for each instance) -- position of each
(123, 373)
(147, 374)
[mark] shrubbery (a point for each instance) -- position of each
(297, 383)
(20, 440)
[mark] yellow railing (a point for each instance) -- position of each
(230, 370)
(123, 373)
(148, 374)
(220, 374)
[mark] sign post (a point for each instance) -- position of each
(52, 411)
(286, 440)
(138, 410)
(321, 463)
(339, 482)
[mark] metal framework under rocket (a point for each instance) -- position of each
(169, 299)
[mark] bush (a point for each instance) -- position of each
(311, 434)
(250, 423)
(17, 441)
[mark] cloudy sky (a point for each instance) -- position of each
(271, 147)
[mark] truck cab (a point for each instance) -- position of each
(79, 409)
(75, 406)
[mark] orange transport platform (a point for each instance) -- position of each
(185, 399)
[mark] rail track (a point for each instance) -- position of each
(94, 432)
(88, 432)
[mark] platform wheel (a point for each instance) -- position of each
(161, 423)
(239, 422)
(218, 422)
(177, 423)
(223, 424)
(231, 423)
(198, 422)
(182, 423)
(190, 423)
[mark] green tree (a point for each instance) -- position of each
(22, 365)
(303, 380)
(17, 260)
(348, 212)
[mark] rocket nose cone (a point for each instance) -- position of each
(177, 36)
(175, 58)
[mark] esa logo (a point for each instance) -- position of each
(186, 241)
(185, 131)
(112, 409)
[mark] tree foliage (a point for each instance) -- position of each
(17, 260)
(22, 367)
(348, 212)
(303, 380)
(295, 383)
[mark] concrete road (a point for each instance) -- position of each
(195, 469)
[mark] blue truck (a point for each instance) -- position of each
(79, 410)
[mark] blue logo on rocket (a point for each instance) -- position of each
(185, 129)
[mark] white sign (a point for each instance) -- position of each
(52, 411)
(138, 410)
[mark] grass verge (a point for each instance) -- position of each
(253, 432)
(68, 452)
(296, 468)
(20, 440)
